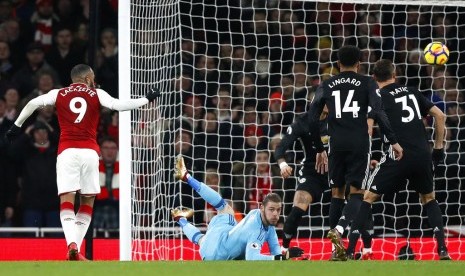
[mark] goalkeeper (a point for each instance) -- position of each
(226, 239)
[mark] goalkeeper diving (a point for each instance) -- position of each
(225, 239)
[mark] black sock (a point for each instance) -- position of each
(358, 225)
(291, 224)
(350, 210)
(435, 220)
(335, 211)
(367, 231)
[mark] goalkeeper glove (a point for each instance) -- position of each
(438, 156)
(12, 133)
(292, 252)
(153, 94)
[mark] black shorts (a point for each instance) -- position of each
(390, 176)
(312, 182)
(348, 167)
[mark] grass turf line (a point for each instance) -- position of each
(189, 268)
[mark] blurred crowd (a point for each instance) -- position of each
(246, 69)
(40, 41)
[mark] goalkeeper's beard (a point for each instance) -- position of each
(268, 222)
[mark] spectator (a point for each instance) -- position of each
(65, 11)
(8, 189)
(6, 10)
(107, 71)
(24, 77)
(206, 142)
(81, 36)
(36, 156)
(109, 126)
(222, 103)
(106, 208)
(18, 39)
(44, 83)
(258, 179)
(277, 117)
(64, 56)
(205, 77)
(7, 68)
(193, 112)
(45, 20)
(11, 103)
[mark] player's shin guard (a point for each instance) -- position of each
(358, 225)
(435, 220)
(349, 212)
(83, 218)
(68, 220)
(291, 224)
(207, 193)
(192, 232)
(335, 211)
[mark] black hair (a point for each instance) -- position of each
(79, 71)
(383, 70)
(348, 55)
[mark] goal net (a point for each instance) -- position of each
(235, 73)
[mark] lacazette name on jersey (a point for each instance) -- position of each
(79, 88)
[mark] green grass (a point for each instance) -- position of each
(190, 268)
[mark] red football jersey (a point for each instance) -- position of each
(78, 110)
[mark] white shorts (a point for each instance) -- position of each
(78, 170)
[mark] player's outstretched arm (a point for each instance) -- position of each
(293, 252)
(122, 105)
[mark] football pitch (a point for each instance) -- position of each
(189, 268)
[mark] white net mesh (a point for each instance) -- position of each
(235, 73)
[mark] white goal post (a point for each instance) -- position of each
(234, 73)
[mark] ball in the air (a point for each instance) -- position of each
(436, 53)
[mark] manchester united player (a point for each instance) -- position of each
(405, 108)
(78, 110)
(348, 96)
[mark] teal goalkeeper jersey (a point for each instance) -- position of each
(245, 240)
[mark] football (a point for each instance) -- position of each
(436, 53)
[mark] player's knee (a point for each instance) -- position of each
(338, 192)
(370, 197)
(356, 190)
(425, 198)
(302, 199)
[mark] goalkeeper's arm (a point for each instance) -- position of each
(292, 252)
(252, 253)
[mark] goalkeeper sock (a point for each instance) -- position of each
(335, 211)
(349, 212)
(358, 225)
(83, 218)
(435, 220)
(68, 219)
(367, 231)
(207, 193)
(192, 232)
(291, 224)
